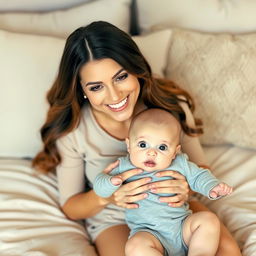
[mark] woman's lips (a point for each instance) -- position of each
(119, 106)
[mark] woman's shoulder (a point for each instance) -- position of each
(72, 136)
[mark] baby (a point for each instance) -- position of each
(156, 228)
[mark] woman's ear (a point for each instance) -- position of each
(127, 144)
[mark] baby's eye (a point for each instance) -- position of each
(163, 147)
(96, 87)
(122, 77)
(142, 144)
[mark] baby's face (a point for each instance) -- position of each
(152, 147)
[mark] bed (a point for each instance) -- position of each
(211, 53)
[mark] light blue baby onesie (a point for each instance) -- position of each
(159, 219)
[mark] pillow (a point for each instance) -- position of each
(62, 22)
(219, 72)
(155, 47)
(38, 5)
(28, 66)
(213, 16)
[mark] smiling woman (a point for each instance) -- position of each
(111, 91)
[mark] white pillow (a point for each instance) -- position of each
(62, 22)
(28, 66)
(219, 72)
(38, 5)
(202, 15)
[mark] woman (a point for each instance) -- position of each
(103, 81)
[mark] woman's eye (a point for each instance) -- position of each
(122, 77)
(95, 88)
(163, 147)
(142, 144)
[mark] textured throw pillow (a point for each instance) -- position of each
(62, 22)
(28, 66)
(219, 72)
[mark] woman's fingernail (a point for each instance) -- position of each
(153, 190)
(158, 174)
(145, 195)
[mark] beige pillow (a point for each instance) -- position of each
(62, 22)
(219, 72)
(38, 5)
(28, 66)
(155, 47)
(200, 15)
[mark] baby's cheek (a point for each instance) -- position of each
(136, 159)
(164, 162)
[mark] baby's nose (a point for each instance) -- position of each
(152, 152)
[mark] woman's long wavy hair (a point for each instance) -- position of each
(96, 41)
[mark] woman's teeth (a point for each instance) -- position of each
(118, 105)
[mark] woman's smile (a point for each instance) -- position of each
(119, 106)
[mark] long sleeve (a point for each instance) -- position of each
(102, 185)
(199, 179)
(70, 172)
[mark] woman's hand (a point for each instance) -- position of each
(129, 193)
(178, 185)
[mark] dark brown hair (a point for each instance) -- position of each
(96, 41)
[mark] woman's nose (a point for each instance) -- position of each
(152, 152)
(114, 93)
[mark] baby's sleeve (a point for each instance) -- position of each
(201, 180)
(103, 186)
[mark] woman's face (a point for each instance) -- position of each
(110, 89)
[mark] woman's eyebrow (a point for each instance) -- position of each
(117, 73)
(99, 82)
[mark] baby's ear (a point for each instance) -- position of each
(127, 144)
(178, 149)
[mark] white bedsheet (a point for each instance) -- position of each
(237, 167)
(31, 223)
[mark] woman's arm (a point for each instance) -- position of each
(83, 205)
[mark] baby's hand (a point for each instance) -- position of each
(221, 190)
(116, 181)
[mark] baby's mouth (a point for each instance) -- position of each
(150, 163)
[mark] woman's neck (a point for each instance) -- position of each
(117, 129)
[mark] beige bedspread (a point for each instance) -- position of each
(31, 223)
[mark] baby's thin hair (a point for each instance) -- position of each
(159, 119)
